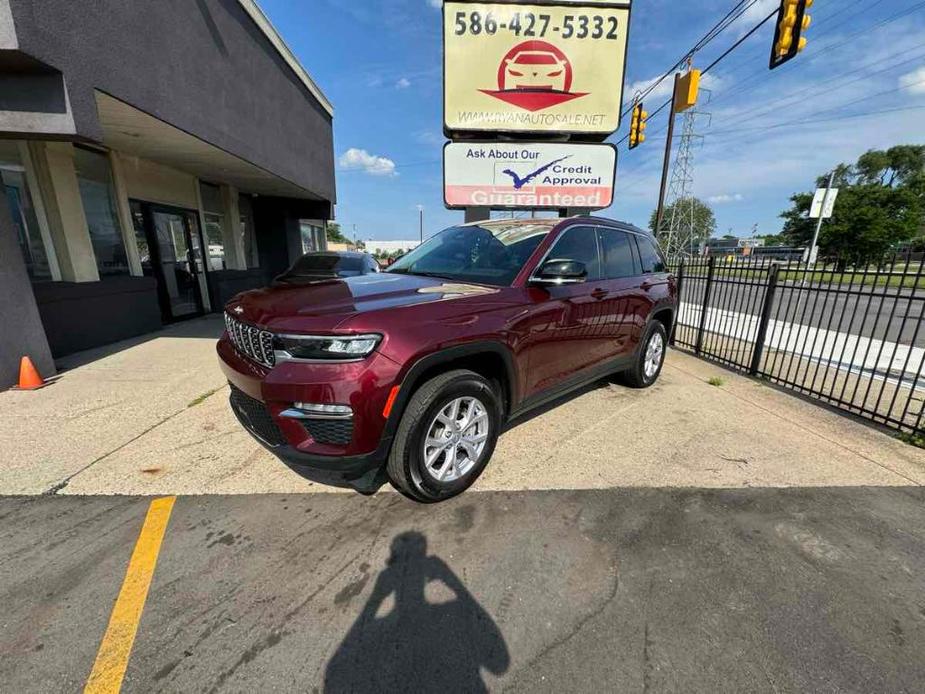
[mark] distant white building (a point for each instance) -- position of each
(375, 246)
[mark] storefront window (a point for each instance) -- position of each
(213, 219)
(27, 228)
(22, 211)
(94, 179)
(312, 236)
(248, 231)
(141, 239)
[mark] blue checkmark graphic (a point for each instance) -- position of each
(521, 182)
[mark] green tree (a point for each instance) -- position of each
(704, 220)
(867, 221)
(773, 239)
(880, 203)
(334, 234)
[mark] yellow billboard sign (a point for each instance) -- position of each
(534, 68)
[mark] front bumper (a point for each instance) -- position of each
(259, 395)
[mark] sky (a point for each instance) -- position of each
(859, 85)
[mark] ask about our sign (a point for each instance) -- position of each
(534, 175)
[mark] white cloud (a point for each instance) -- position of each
(374, 165)
(403, 83)
(914, 82)
(754, 14)
(725, 197)
(430, 137)
(436, 4)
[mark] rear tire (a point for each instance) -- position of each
(650, 358)
(446, 436)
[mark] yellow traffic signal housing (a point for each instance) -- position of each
(686, 90)
(792, 21)
(637, 126)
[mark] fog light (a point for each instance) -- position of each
(318, 408)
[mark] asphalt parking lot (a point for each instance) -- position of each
(597, 590)
(690, 537)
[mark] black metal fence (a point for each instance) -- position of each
(849, 336)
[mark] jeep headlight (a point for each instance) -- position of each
(327, 346)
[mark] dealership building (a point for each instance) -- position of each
(156, 158)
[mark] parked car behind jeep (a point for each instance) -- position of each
(418, 368)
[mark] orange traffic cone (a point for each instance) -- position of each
(29, 378)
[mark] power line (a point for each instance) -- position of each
(729, 50)
(737, 43)
(847, 116)
(826, 29)
(821, 51)
(763, 71)
(738, 10)
(765, 108)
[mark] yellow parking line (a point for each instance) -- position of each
(112, 657)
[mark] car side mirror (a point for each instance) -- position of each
(559, 271)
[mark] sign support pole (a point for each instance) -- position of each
(477, 214)
(661, 194)
(810, 257)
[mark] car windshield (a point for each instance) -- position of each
(488, 253)
(324, 264)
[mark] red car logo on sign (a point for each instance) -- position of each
(534, 75)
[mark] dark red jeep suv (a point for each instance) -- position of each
(418, 368)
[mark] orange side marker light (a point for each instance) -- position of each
(390, 401)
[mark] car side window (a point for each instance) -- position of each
(651, 257)
(619, 258)
(578, 243)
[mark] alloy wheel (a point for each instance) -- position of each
(456, 439)
(653, 356)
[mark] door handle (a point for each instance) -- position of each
(598, 293)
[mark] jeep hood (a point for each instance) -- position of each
(325, 305)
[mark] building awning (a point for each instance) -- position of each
(131, 131)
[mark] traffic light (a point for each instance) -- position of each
(638, 126)
(686, 90)
(792, 21)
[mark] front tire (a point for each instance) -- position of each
(446, 436)
(649, 359)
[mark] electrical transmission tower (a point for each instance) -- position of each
(678, 233)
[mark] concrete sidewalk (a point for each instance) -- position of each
(150, 416)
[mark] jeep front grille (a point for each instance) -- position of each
(252, 342)
(255, 417)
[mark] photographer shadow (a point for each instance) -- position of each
(402, 642)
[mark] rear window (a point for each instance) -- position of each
(652, 260)
(619, 257)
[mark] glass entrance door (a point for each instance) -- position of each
(171, 253)
(177, 264)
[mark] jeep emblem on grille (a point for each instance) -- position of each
(238, 310)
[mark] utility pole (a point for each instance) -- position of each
(421, 221)
(354, 235)
(667, 159)
(810, 257)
